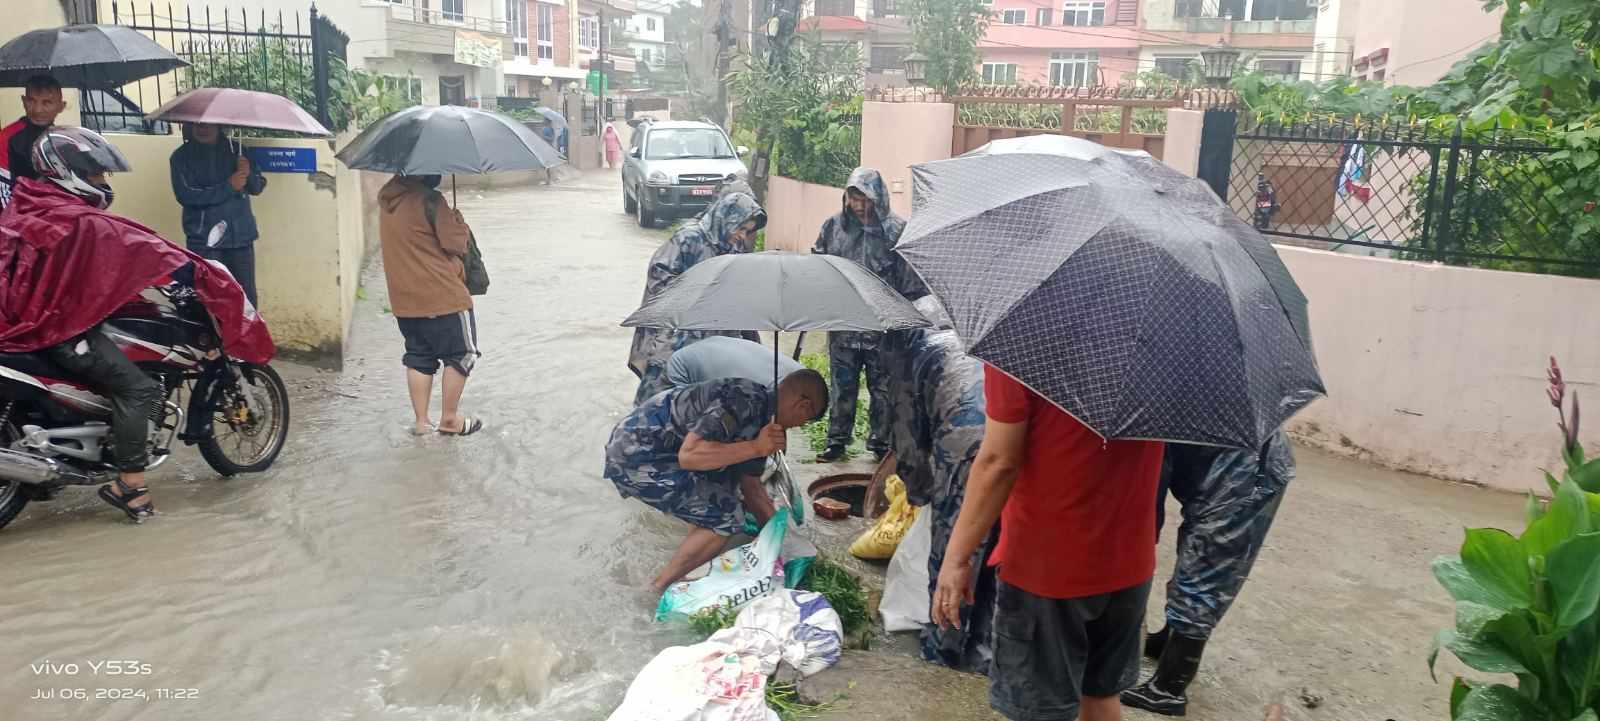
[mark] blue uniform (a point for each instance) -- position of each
(642, 455)
(708, 236)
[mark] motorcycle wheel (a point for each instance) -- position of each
(12, 499)
(243, 442)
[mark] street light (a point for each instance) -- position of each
(916, 68)
(546, 81)
(1219, 60)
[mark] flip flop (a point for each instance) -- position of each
(469, 426)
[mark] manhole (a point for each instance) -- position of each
(848, 488)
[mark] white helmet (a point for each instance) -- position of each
(68, 156)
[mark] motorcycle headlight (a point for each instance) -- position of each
(739, 175)
(659, 178)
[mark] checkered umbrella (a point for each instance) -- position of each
(1119, 289)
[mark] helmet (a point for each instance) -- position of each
(68, 156)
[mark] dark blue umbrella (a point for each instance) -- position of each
(1121, 290)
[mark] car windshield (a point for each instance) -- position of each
(675, 143)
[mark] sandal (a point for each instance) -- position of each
(469, 426)
(137, 513)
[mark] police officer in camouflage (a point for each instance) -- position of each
(697, 452)
(936, 422)
(864, 231)
(1229, 499)
(728, 225)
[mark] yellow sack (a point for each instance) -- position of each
(878, 543)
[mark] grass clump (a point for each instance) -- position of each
(784, 699)
(843, 591)
(817, 430)
(713, 619)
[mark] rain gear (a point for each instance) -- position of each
(1229, 499)
(871, 245)
(65, 266)
(936, 425)
(200, 175)
(707, 236)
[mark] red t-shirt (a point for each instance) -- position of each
(1081, 520)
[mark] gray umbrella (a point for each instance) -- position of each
(84, 56)
(448, 139)
(556, 119)
(1119, 289)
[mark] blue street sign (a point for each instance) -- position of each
(283, 160)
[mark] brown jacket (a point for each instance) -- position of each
(424, 269)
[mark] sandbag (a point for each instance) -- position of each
(905, 588)
(810, 632)
(879, 541)
(721, 679)
(737, 577)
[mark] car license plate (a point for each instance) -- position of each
(703, 190)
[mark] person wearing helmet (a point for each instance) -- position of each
(66, 265)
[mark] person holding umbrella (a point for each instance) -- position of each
(41, 105)
(728, 226)
(864, 231)
(213, 181)
(697, 453)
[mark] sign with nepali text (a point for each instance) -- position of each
(477, 49)
(283, 160)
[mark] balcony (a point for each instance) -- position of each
(612, 8)
(1244, 27)
(470, 39)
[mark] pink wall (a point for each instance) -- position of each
(1424, 37)
(795, 212)
(895, 136)
(1033, 64)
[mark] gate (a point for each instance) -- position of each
(1392, 189)
(1118, 117)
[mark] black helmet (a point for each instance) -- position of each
(68, 156)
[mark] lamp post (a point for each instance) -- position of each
(916, 69)
(1219, 60)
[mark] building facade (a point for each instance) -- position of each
(1274, 36)
(1417, 41)
(647, 34)
(875, 25)
(1076, 43)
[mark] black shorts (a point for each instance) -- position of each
(448, 339)
(1049, 653)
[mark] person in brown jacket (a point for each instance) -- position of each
(424, 242)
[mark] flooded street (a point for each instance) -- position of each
(371, 574)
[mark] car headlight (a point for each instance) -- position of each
(659, 178)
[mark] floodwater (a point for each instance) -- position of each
(371, 574)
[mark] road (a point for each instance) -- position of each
(374, 575)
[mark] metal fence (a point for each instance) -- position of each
(271, 52)
(1402, 190)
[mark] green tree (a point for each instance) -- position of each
(946, 32)
(812, 105)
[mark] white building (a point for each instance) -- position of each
(647, 33)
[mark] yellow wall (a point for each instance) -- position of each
(20, 17)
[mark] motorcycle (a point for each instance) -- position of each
(55, 432)
(1266, 202)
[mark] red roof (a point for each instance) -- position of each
(832, 24)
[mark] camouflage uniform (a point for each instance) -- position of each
(936, 425)
(642, 455)
(708, 236)
(1229, 498)
(871, 245)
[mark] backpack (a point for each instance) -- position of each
(477, 274)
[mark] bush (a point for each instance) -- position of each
(817, 430)
(811, 109)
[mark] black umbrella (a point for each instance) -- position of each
(1119, 289)
(84, 56)
(448, 139)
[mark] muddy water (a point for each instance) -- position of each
(371, 574)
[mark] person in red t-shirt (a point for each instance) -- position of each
(1075, 557)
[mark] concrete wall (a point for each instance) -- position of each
(795, 212)
(895, 136)
(311, 247)
(1182, 147)
(1439, 369)
(1424, 37)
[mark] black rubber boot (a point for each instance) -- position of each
(1155, 642)
(831, 453)
(1166, 692)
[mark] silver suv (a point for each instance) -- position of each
(674, 168)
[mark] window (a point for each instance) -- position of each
(588, 31)
(1013, 17)
(884, 8)
(1045, 16)
(544, 30)
(1083, 13)
(836, 7)
(1189, 9)
(511, 87)
(1074, 68)
(644, 55)
(999, 73)
(1174, 67)
(888, 57)
(517, 18)
(650, 24)
(1379, 75)
(453, 9)
(406, 87)
(1280, 10)
(1285, 67)
(674, 143)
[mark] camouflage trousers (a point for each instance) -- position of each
(848, 355)
(970, 647)
(1225, 521)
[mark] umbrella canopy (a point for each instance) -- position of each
(777, 291)
(240, 109)
(555, 118)
(84, 56)
(1119, 289)
(447, 139)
